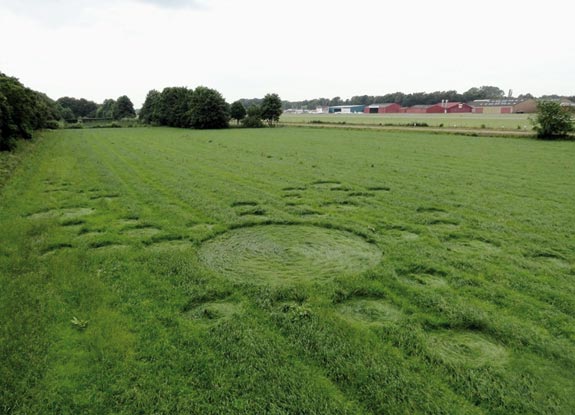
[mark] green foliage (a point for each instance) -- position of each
(253, 118)
(552, 121)
(174, 106)
(237, 111)
(149, 113)
(271, 109)
(123, 108)
(22, 111)
(79, 107)
(106, 110)
(208, 109)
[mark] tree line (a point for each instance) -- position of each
(73, 109)
(408, 100)
(23, 110)
(206, 108)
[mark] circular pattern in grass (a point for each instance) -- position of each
(467, 349)
(280, 253)
(370, 311)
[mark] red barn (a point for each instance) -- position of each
(382, 109)
(418, 109)
(449, 108)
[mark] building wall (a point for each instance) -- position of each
(451, 109)
(417, 110)
(461, 108)
(390, 109)
(494, 110)
(436, 109)
(529, 106)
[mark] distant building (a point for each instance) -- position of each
(382, 109)
(321, 110)
(417, 109)
(449, 108)
(504, 106)
(564, 102)
(346, 109)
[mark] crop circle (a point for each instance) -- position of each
(280, 253)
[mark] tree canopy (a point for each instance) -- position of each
(237, 111)
(552, 121)
(254, 117)
(271, 108)
(106, 110)
(80, 107)
(208, 109)
(22, 111)
(173, 107)
(123, 108)
(149, 113)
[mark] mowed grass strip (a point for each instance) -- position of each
(111, 303)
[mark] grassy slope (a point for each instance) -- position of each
(471, 309)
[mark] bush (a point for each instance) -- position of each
(208, 109)
(552, 121)
(52, 125)
(252, 122)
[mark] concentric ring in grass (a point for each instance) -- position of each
(281, 253)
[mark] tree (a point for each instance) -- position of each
(150, 110)
(238, 111)
(552, 121)
(106, 110)
(271, 109)
(484, 92)
(22, 111)
(254, 117)
(173, 107)
(208, 109)
(80, 107)
(123, 108)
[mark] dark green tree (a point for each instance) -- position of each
(552, 121)
(123, 108)
(149, 113)
(106, 110)
(208, 109)
(238, 111)
(483, 92)
(22, 111)
(80, 107)
(271, 109)
(174, 106)
(253, 118)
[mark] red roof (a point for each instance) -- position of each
(451, 104)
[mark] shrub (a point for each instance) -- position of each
(552, 121)
(52, 125)
(252, 122)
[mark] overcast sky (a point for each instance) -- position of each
(299, 48)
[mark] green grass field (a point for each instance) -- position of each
(504, 122)
(287, 271)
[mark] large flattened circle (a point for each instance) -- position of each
(279, 253)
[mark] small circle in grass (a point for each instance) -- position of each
(466, 349)
(370, 311)
(283, 253)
